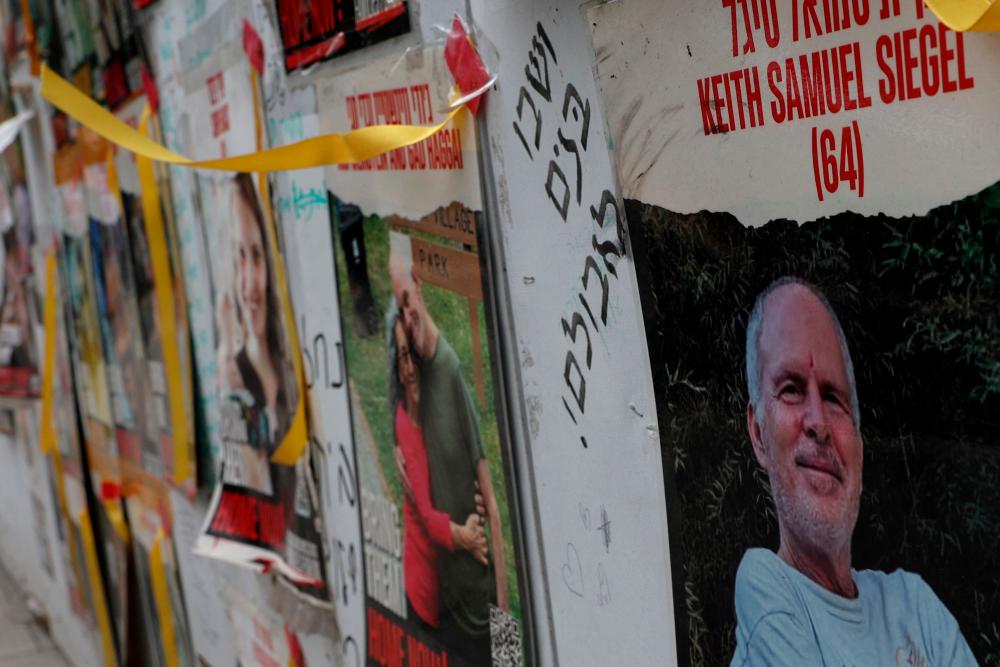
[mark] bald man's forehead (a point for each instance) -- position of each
(794, 301)
(798, 328)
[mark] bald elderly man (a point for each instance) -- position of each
(805, 605)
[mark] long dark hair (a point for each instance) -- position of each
(272, 329)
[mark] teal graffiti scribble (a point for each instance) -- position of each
(292, 128)
(302, 202)
(195, 12)
(200, 56)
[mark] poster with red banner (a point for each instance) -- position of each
(323, 29)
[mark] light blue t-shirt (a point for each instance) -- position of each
(785, 618)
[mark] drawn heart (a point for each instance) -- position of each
(572, 571)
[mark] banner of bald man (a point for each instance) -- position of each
(836, 465)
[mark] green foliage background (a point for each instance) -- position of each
(919, 299)
(367, 365)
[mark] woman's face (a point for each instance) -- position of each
(407, 367)
(251, 269)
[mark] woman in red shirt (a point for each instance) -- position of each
(425, 529)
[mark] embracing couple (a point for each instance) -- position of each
(451, 576)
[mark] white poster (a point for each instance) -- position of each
(870, 107)
(588, 444)
(303, 214)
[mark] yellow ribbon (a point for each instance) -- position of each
(47, 436)
(967, 15)
(349, 147)
(164, 286)
(293, 443)
(113, 508)
(158, 575)
(97, 589)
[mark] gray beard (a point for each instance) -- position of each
(802, 518)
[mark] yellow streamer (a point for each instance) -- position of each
(97, 589)
(967, 15)
(158, 575)
(113, 507)
(162, 282)
(349, 147)
(294, 441)
(47, 436)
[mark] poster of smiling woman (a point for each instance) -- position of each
(815, 220)
(263, 509)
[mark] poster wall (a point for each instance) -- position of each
(835, 148)
(441, 563)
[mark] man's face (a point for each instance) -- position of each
(806, 438)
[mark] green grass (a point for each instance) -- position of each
(367, 364)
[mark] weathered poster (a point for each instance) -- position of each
(441, 563)
(260, 635)
(162, 453)
(92, 384)
(305, 221)
(166, 637)
(166, 25)
(26, 432)
(19, 356)
(262, 512)
(314, 31)
(75, 35)
(146, 473)
(583, 420)
(117, 307)
(814, 214)
(67, 473)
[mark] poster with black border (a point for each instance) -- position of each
(816, 215)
